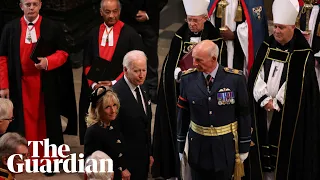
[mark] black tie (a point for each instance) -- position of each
(30, 24)
(137, 90)
(209, 82)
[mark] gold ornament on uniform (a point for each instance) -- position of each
(221, 13)
(238, 17)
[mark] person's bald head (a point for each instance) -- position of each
(110, 11)
(205, 55)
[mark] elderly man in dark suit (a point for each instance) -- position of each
(214, 110)
(134, 118)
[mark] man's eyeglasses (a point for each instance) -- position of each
(9, 119)
(193, 20)
(35, 4)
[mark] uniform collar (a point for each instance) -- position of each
(213, 73)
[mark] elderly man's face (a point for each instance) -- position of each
(196, 23)
(283, 33)
(21, 149)
(4, 123)
(137, 71)
(110, 11)
(31, 9)
(203, 61)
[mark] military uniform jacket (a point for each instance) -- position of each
(164, 136)
(206, 109)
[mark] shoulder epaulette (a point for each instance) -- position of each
(190, 70)
(233, 71)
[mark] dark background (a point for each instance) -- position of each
(78, 17)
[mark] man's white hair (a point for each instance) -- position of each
(214, 51)
(97, 156)
(131, 56)
(5, 107)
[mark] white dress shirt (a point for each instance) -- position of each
(32, 31)
(132, 88)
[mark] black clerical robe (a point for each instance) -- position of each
(164, 138)
(290, 147)
(37, 123)
(316, 29)
(128, 40)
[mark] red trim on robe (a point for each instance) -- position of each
(57, 59)
(32, 96)
(250, 36)
(4, 82)
(301, 3)
(212, 8)
(106, 52)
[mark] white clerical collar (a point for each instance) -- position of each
(33, 22)
(31, 35)
(213, 73)
(108, 28)
(131, 86)
(107, 36)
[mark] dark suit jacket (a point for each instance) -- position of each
(128, 40)
(207, 109)
(152, 7)
(135, 126)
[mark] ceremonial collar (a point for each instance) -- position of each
(288, 46)
(108, 26)
(33, 22)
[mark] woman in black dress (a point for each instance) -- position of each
(102, 136)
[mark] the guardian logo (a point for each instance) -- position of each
(69, 162)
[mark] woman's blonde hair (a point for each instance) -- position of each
(97, 106)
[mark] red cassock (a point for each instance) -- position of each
(106, 52)
(32, 96)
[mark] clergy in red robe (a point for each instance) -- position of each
(33, 88)
(109, 41)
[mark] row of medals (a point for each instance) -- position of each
(225, 98)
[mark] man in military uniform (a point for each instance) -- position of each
(214, 104)
(195, 29)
